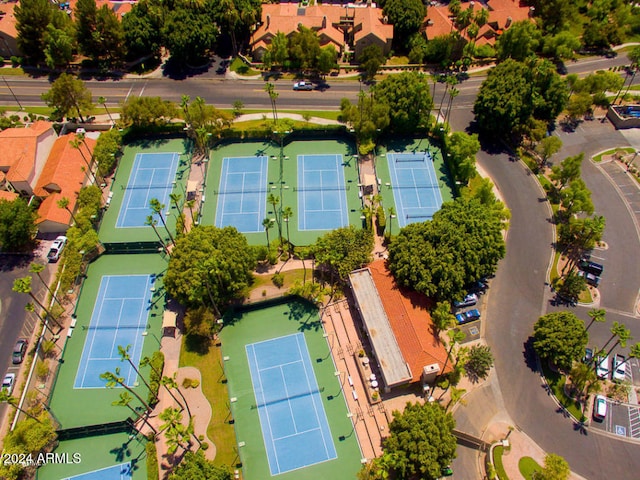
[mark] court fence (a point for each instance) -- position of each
(85, 431)
(132, 247)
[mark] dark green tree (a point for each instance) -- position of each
(142, 30)
(86, 24)
(562, 46)
(442, 317)
(277, 52)
(568, 171)
(59, 44)
(575, 199)
(409, 99)
(572, 286)
(406, 16)
(370, 60)
(479, 362)
(304, 48)
(561, 338)
(32, 18)
(110, 43)
(189, 46)
(210, 266)
(367, 118)
(341, 251)
(31, 436)
(17, 224)
(555, 468)
(555, 14)
(194, 466)
(67, 96)
(420, 441)
(327, 60)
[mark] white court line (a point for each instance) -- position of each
(279, 365)
(297, 434)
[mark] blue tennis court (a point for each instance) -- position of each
(152, 176)
(294, 424)
(322, 196)
(117, 472)
(242, 195)
(415, 186)
(119, 318)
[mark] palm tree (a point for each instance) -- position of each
(103, 101)
(125, 401)
(392, 214)
(455, 397)
(620, 331)
(190, 204)
(274, 200)
(31, 309)
(287, 213)
(64, 203)
(634, 352)
(157, 208)
(597, 315)
(152, 222)
(13, 401)
(77, 144)
(175, 198)
(124, 355)
(146, 362)
(273, 95)
(170, 383)
(114, 379)
(23, 285)
(177, 435)
(453, 93)
(455, 336)
(623, 334)
(266, 223)
(37, 268)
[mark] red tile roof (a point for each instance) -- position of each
(8, 20)
(410, 321)
(62, 176)
(9, 196)
(19, 146)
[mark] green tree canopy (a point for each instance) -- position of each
(31, 436)
(142, 30)
(568, 171)
(555, 468)
(17, 224)
(110, 43)
(86, 19)
(304, 48)
(520, 41)
(69, 96)
(420, 441)
(462, 244)
(144, 112)
(195, 467)
(461, 151)
(210, 266)
(560, 337)
(367, 118)
(409, 99)
(406, 16)
(479, 362)
(189, 46)
(370, 60)
(32, 18)
(343, 250)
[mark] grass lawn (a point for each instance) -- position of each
(399, 60)
(497, 462)
(556, 382)
(12, 71)
(327, 114)
(528, 466)
(242, 68)
(261, 124)
(219, 431)
(290, 277)
(598, 157)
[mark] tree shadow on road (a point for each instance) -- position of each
(529, 354)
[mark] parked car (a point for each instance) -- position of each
(599, 408)
(588, 355)
(470, 300)
(591, 267)
(591, 279)
(479, 287)
(469, 316)
(303, 86)
(19, 351)
(602, 367)
(619, 368)
(56, 248)
(8, 382)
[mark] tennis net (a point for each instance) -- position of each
(411, 159)
(246, 190)
(321, 189)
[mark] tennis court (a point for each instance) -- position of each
(242, 195)
(119, 318)
(322, 197)
(152, 176)
(294, 424)
(116, 472)
(415, 186)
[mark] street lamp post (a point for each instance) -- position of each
(635, 154)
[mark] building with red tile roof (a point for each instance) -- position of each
(63, 176)
(502, 14)
(8, 196)
(354, 26)
(8, 33)
(410, 325)
(24, 154)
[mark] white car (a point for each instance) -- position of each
(56, 248)
(303, 86)
(599, 408)
(602, 367)
(619, 368)
(8, 382)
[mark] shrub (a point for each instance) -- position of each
(278, 280)
(42, 370)
(15, 61)
(153, 471)
(157, 366)
(191, 383)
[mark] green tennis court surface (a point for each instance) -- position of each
(263, 323)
